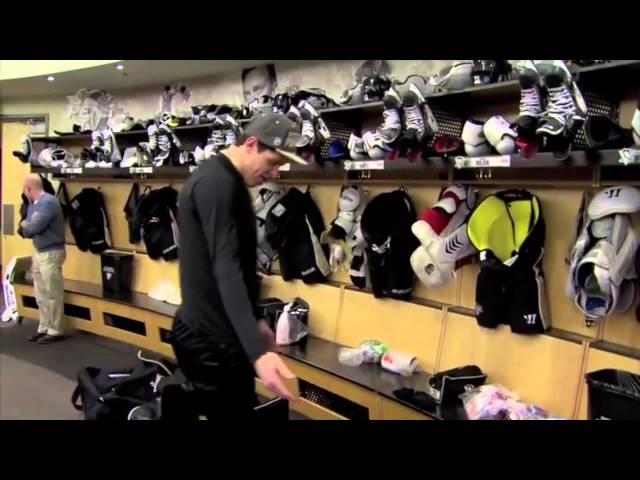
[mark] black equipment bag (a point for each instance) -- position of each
(111, 395)
(125, 394)
(446, 387)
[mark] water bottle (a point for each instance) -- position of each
(351, 357)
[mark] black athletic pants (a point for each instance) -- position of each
(222, 378)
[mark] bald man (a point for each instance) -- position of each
(45, 225)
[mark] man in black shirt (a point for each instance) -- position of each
(217, 337)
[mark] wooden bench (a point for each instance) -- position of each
(328, 389)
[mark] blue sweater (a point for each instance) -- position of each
(45, 224)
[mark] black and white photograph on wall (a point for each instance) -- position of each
(92, 109)
(175, 99)
(372, 68)
(259, 81)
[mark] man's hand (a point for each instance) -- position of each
(272, 371)
(267, 334)
(23, 223)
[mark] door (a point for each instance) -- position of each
(13, 174)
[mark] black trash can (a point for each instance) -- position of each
(613, 395)
(117, 270)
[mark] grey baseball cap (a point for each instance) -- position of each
(276, 131)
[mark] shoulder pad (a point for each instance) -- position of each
(620, 199)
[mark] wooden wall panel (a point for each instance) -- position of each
(541, 369)
(623, 329)
(405, 327)
(324, 302)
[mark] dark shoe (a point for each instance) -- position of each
(50, 338)
(37, 336)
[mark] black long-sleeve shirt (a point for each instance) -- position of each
(218, 257)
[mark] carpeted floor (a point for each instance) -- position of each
(36, 381)
(30, 392)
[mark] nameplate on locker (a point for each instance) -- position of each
(141, 170)
(364, 164)
(498, 161)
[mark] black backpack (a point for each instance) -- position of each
(386, 227)
(88, 221)
(63, 198)
(157, 214)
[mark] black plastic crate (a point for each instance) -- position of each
(613, 395)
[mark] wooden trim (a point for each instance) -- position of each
(314, 411)
(600, 334)
(264, 391)
(340, 305)
(339, 386)
(80, 300)
(443, 330)
(24, 117)
(29, 312)
(581, 384)
(392, 410)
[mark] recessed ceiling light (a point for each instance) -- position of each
(119, 67)
(51, 78)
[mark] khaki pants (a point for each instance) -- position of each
(49, 286)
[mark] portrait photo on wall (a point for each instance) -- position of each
(372, 68)
(259, 81)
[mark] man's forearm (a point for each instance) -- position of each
(37, 223)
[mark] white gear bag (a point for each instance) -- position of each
(15, 265)
(291, 326)
(436, 259)
(601, 263)
(267, 197)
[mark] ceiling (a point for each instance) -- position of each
(137, 73)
